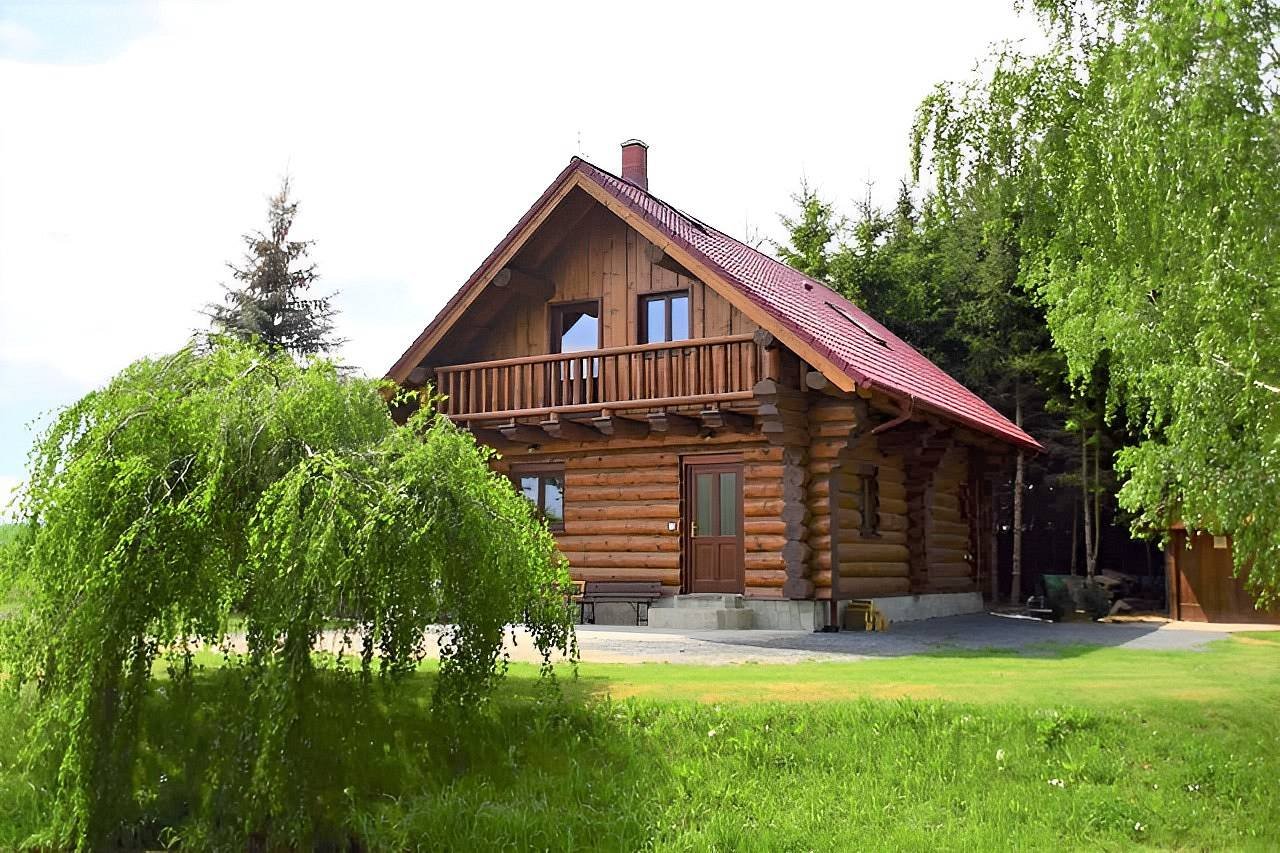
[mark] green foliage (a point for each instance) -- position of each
(271, 306)
(811, 235)
(1141, 154)
(1074, 748)
(236, 483)
(945, 279)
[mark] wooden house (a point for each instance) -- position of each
(685, 409)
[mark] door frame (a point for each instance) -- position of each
(693, 461)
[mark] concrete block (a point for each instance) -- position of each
(907, 608)
(734, 619)
(708, 600)
(685, 619)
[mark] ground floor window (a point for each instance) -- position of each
(543, 486)
(869, 500)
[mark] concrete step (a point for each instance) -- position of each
(700, 618)
(708, 600)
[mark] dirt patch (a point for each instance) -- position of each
(1202, 694)
(788, 691)
(1257, 641)
(904, 691)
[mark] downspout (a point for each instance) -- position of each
(833, 509)
(833, 512)
(904, 416)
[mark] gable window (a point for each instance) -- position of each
(575, 326)
(869, 500)
(543, 487)
(664, 317)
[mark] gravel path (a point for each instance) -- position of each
(614, 644)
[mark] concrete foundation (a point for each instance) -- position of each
(787, 615)
(713, 612)
(907, 608)
(703, 612)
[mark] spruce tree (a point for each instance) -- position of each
(270, 303)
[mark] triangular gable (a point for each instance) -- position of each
(828, 331)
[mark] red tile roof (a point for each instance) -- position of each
(870, 354)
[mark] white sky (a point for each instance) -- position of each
(140, 139)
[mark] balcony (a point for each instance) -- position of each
(706, 373)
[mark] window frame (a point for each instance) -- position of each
(555, 314)
(869, 501)
(666, 296)
(543, 471)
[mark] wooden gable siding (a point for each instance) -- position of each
(601, 258)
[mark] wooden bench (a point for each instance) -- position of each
(636, 593)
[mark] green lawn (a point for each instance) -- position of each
(1085, 748)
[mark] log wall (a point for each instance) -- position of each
(619, 500)
(802, 508)
(949, 550)
(872, 565)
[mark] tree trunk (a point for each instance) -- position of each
(995, 544)
(1015, 592)
(1084, 500)
(1097, 506)
(1075, 533)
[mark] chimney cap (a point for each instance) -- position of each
(631, 142)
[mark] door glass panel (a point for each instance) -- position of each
(553, 503)
(728, 504)
(704, 483)
(655, 321)
(679, 330)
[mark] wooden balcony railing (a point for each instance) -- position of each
(703, 371)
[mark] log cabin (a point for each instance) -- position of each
(684, 409)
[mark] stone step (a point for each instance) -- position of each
(700, 618)
(708, 600)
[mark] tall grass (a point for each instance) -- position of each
(583, 770)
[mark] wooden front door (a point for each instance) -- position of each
(712, 522)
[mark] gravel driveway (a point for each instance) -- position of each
(614, 644)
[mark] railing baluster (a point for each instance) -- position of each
(564, 381)
(690, 386)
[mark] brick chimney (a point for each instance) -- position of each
(635, 163)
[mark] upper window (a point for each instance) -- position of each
(544, 488)
(664, 317)
(575, 326)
